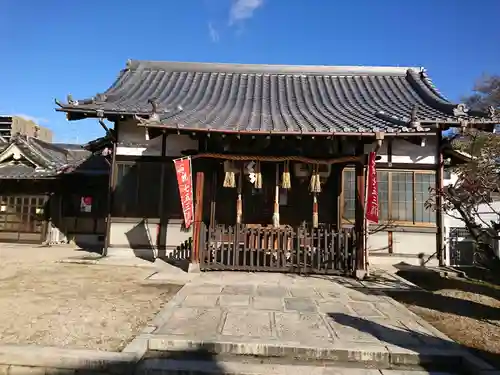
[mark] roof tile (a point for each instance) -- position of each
(271, 98)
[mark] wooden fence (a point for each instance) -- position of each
(301, 249)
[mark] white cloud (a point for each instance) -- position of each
(37, 120)
(214, 35)
(243, 9)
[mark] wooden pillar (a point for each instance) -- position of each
(111, 189)
(198, 216)
(340, 187)
(359, 218)
(439, 201)
(161, 233)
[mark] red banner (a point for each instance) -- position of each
(185, 182)
(372, 190)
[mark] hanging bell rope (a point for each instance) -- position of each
(239, 203)
(315, 184)
(229, 176)
(286, 182)
(258, 176)
(315, 211)
(276, 211)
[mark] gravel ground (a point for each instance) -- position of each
(467, 312)
(74, 306)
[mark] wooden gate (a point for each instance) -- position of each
(320, 250)
(22, 218)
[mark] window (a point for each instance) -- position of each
(138, 190)
(402, 196)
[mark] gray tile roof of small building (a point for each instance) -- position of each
(51, 159)
(270, 98)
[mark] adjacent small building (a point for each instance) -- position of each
(47, 188)
(303, 133)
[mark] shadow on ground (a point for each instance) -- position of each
(412, 340)
(459, 298)
(446, 304)
(193, 361)
(475, 279)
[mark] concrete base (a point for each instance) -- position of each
(388, 259)
(127, 252)
(194, 268)
(360, 274)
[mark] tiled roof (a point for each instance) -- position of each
(50, 159)
(270, 98)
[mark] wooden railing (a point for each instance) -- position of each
(285, 249)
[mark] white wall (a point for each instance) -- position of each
(404, 152)
(130, 133)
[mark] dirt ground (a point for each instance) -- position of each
(466, 311)
(74, 306)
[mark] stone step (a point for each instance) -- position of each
(371, 355)
(214, 367)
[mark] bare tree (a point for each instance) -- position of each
(486, 93)
(478, 178)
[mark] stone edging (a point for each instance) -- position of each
(24, 359)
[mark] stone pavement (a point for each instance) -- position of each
(304, 318)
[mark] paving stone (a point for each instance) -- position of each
(192, 322)
(309, 317)
(267, 303)
(203, 289)
(238, 289)
(303, 292)
(394, 333)
(302, 328)
(424, 335)
(365, 310)
(392, 311)
(234, 301)
(248, 324)
(271, 291)
(200, 301)
(366, 297)
(351, 329)
(300, 304)
(349, 371)
(335, 306)
(410, 372)
(330, 294)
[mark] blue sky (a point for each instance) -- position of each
(53, 47)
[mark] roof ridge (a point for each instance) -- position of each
(211, 67)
